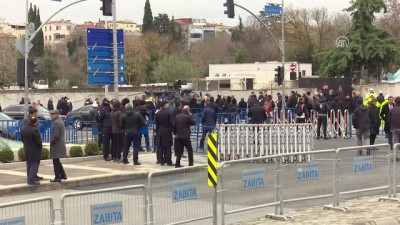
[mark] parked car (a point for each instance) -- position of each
(81, 117)
(8, 127)
(17, 112)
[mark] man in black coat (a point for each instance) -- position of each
(181, 130)
(105, 120)
(33, 150)
(144, 131)
(385, 116)
(164, 120)
(257, 114)
(375, 121)
(362, 123)
(131, 122)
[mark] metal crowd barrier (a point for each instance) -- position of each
(122, 205)
(39, 211)
(359, 169)
(255, 140)
(180, 196)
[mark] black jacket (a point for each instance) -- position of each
(32, 143)
(164, 120)
(214, 106)
(105, 119)
(322, 108)
(257, 115)
(385, 116)
(131, 121)
(182, 125)
(394, 118)
(362, 117)
(375, 119)
(349, 105)
(116, 116)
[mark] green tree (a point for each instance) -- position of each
(147, 18)
(370, 48)
(48, 70)
(238, 31)
(174, 67)
(38, 42)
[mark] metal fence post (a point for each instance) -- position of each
(215, 206)
(150, 201)
(222, 194)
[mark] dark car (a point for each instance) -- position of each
(17, 112)
(8, 127)
(81, 117)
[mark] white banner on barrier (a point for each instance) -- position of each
(253, 178)
(363, 164)
(13, 221)
(183, 190)
(308, 171)
(109, 213)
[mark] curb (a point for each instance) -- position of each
(77, 182)
(50, 162)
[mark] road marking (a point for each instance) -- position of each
(23, 174)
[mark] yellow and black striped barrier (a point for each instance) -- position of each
(212, 159)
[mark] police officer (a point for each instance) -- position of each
(322, 109)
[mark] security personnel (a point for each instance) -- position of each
(181, 130)
(322, 109)
(164, 120)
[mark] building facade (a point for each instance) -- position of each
(128, 26)
(196, 29)
(57, 32)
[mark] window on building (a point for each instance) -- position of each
(45, 28)
(58, 27)
(49, 28)
(45, 38)
(226, 86)
(59, 37)
(195, 35)
(49, 38)
(68, 27)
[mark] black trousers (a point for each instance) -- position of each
(182, 143)
(32, 168)
(107, 139)
(372, 138)
(322, 121)
(204, 135)
(134, 140)
(164, 154)
(117, 145)
(99, 139)
(58, 169)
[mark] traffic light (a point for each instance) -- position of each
(106, 7)
(279, 75)
(32, 69)
(230, 8)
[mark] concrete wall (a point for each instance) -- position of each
(387, 88)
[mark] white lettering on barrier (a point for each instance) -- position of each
(363, 164)
(183, 190)
(13, 221)
(308, 171)
(108, 213)
(253, 178)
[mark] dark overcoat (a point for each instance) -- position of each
(164, 122)
(57, 140)
(32, 143)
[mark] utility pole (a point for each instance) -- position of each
(115, 48)
(283, 63)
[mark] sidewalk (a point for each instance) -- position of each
(82, 171)
(365, 210)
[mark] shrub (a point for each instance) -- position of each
(6, 155)
(76, 151)
(45, 153)
(21, 154)
(91, 148)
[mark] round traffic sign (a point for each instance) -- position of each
(293, 67)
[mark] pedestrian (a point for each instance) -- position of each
(362, 123)
(50, 105)
(385, 110)
(117, 131)
(322, 109)
(181, 130)
(257, 114)
(33, 150)
(105, 121)
(375, 121)
(394, 121)
(57, 146)
(32, 112)
(131, 122)
(144, 130)
(301, 111)
(163, 119)
(208, 121)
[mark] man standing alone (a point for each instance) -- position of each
(164, 122)
(181, 130)
(57, 146)
(33, 150)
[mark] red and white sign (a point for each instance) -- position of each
(292, 67)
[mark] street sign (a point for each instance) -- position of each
(273, 10)
(20, 45)
(292, 67)
(100, 57)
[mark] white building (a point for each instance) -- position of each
(56, 32)
(250, 76)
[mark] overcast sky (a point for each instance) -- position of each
(13, 11)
